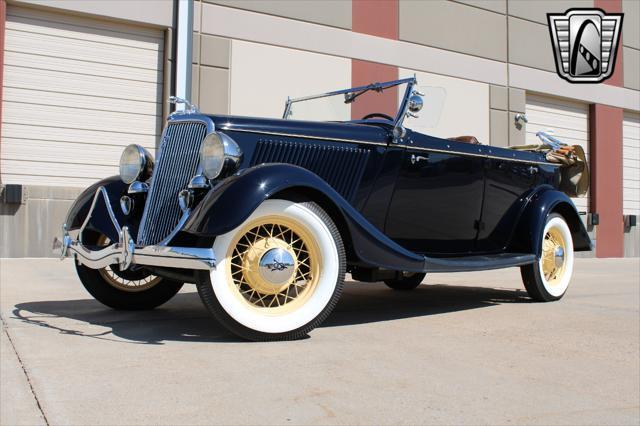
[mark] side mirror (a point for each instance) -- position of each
(415, 103)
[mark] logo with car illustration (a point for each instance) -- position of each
(585, 43)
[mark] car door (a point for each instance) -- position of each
(437, 200)
(507, 183)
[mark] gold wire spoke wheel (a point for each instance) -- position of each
(274, 265)
(554, 248)
(117, 280)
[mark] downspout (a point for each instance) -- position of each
(184, 48)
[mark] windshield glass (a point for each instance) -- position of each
(348, 104)
(392, 101)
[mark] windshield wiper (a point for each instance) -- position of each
(351, 97)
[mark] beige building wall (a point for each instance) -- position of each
(454, 26)
(336, 13)
(631, 43)
(291, 73)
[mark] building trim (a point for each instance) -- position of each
(260, 28)
(256, 27)
(549, 83)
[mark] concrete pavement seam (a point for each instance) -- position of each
(24, 370)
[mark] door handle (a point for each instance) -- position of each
(416, 158)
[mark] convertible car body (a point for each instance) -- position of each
(267, 215)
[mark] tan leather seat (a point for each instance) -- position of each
(466, 139)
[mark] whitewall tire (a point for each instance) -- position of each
(548, 278)
(278, 275)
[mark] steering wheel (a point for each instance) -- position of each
(377, 114)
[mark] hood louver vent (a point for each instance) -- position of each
(340, 167)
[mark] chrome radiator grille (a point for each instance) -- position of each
(177, 163)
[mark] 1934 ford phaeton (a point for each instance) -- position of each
(266, 216)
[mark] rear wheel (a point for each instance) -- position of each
(279, 274)
(128, 289)
(548, 278)
(409, 281)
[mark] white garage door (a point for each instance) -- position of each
(568, 120)
(631, 163)
(76, 91)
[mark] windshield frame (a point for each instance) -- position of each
(378, 87)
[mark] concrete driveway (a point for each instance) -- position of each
(462, 348)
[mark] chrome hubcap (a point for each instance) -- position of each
(558, 256)
(277, 266)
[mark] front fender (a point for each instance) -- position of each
(528, 236)
(230, 203)
(99, 221)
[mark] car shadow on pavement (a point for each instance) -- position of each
(184, 318)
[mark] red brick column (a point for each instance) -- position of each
(605, 131)
(378, 18)
(605, 135)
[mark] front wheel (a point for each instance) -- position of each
(125, 290)
(279, 274)
(548, 278)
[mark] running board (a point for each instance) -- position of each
(477, 263)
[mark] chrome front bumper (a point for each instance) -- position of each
(125, 253)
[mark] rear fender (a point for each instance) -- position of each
(230, 203)
(528, 236)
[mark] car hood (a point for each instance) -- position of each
(377, 131)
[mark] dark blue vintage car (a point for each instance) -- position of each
(266, 216)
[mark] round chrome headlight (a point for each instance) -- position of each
(135, 163)
(219, 154)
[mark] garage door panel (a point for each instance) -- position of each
(76, 91)
(557, 122)
(66, 181)
(631, 194)
(67, 118)
(631, 130)
(631, 134)
(631, 163)
(532, 128)
(81, 22)
(35, 97)
(569, 122)
(87, 137)
(43, 45)
(550, 104)
(67, 65)
(56, 81)
(629, 172)
(632, 207)
(64, 152)
(631, 153)
(88, 33)
(59, 169)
